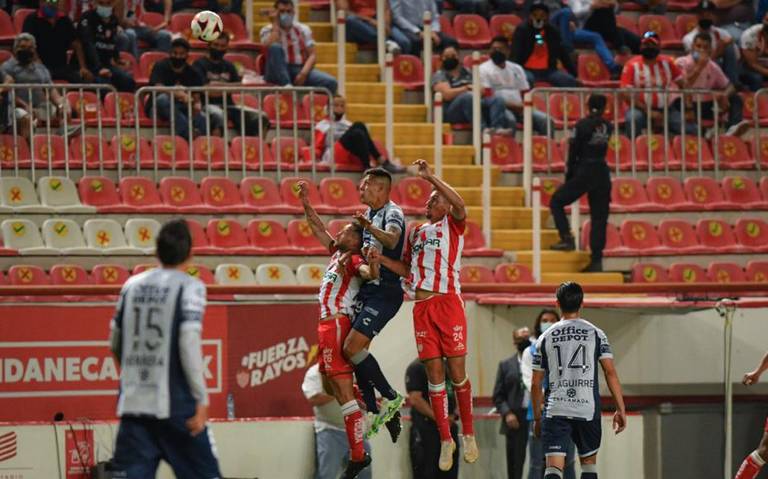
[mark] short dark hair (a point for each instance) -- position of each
(570, 296)
(379, 173)
(540, 317)
(596, 103)
(358, 230)
(174, 243)
(500, 39)
(180, 42)
(283, 2)
(703, 36)
(538, 5)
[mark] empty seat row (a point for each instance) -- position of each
(56, 195)
(716, 272)
(502, 273)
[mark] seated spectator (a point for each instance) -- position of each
(652, 70)
(454, 82)
(602, 20)
(214, 70)
(570, 22)
(701, 72)
(55, 34)
(362, 24)
(507, 81)
(537, 46)
(291, 52)
(98, 34)
(134, 30)
(754, 50)
(734, 16)
(351, 142)
(723, 47)
(175, 71)
(408, 19)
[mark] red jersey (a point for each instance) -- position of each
(434, 252)
(339, 287)
(661, 74)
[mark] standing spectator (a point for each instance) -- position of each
(331, 445)
(512, 399)
(175, 71)
(537, 46)
(129, 13)
(507, 81)
(408, 19)
(723, 46)
(701, 72)
(455, 83)
(754, 50)
(362, 24)
(54, 34)
(291, 55)
(424, 443)
(98, 34)
(602, 19)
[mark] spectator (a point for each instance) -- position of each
(98, 34)
(507, 81)
(175, 71)
(602, 20)
(362, 24)
(512, 400)
(351, 141)
(54, 34)
(701, 72)
(734, 16)
(408, 19)
(537, 46)
(214, 70)
(129, 13)
(455, 83)
(424, 443)
(754, 50)
(331, 445)
(291, 52)
(723, 47)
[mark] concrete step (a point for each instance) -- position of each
(582, 278)
(452, 154)
(321, 31)
(356, 72)
(370, 113)
(506, 217)
(459, 176)
(370, 93)
(500, 195)
(520, 239)
(556, 261)
(326, 52)
(407, 133)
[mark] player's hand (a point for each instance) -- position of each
(343, 262)
(512, 421)
(372, 256)
(196, 424)
(537, 428)
(104, 72)
(303, 192)
(362, 220)
(619, 421)
(424, 170)
(751, 378)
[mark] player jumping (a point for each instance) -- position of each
(756, 460)
(156, 338)
(338, 290)
(431, 264)
(567, 355)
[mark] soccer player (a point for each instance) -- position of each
(756, 460)
(156, 337)
(567, 356)
(378, 301)
(338, 290)
(431, 264)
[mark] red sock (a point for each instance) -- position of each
(463, 392)
(438, 399)
(750, 467)
(353, 423)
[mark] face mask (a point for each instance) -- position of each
(104, 12)
(337, 116)
(545, 325)
(538, 24)
(49, 11)
(286, 20)
(450, 63)
(24, 57)
(705, 23)
(498, 58)
(523, 345)
(649, 53)
(178, 62)
(216, 55)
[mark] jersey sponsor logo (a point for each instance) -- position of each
(427, 243)
(260, 367)
(571, 333)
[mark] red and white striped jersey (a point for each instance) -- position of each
(339, 288)
(295, 41)
(434, 253)
(661, 74)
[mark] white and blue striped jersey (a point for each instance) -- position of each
(389, 214)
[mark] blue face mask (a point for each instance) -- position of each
(545, 325)
(286, 20)
(50, 11)
(104, 12)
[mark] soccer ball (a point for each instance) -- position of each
(206, 26)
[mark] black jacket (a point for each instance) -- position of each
(525, 39)
(509, 392)
(589, 143)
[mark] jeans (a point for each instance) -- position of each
(253, 121)
(360, 31)
(128, 40)
(494, 111)
(750, 78)
(562, 20)
(640, 119)
(120, 79)
(332, 454)
(729, 63)
(554, 77)
(415, 44)
(279, 72)
(540, 121)
(180, 118)
(538, 461)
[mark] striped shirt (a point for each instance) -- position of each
(339, 287)
(295, 41)
(661, 74)
(434, 253)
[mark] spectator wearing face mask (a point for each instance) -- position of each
(98, 33)
(723, 46)
(754, 55)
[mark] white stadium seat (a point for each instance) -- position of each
(23, 235)
(18, 195)
(310, 274)
(275, 274)
(65, 236)
(107, 237)
(234, 275)
(60, 193)
(141, 233)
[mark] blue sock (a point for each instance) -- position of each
(367, 370)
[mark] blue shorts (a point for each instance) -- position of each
(556, 433)
(142, 442)
(375, 308)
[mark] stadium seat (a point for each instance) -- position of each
(230, 274)
(272, 274)
(471, 31)
(18, 194)
(649, 273)
(620, 149)
(23, 236)
(506, 153)
(300, 235)
(109, 274)
(200, 243)
(85, 105)
(717, 236)
(171, 150)
(414, 194)
(475, 273)
(667, 193)
(28, 275)
(564, 108)
(146, 63)
(680, 237)
(593, 72)
(262, 194)
(663, 28)
(315, 107)
(628, 194)
(615, 109)
(652, 147)
(85, 148)
(289, 151)
(222, 193)
(248, 100)
(512, 273)
(749, 108)
(50, 149)
(641, 237)
(201, 272)
(206, 150)
(182, 193)
(687, 273)
(548, 188)
(141, 194)
(691, 152)
(543, 148)
(310, 274)
(684, 23)
(752, 234)
(101, 193)
(722, 272)
(60, 193)
(743, 192)
(141, 233)
(287, 111)
(474, 242)
(13, 149)
(140, 268)
(734, 153)
(181, 23)
(242, 61)
(504, 25)
(342, 194)
(127, 150)
(408, 71)
(239, 39)
(757, 271)
(613, 246)
(107, 237)
(289, 191)
(5, 55)
(763, 185)
(629, 23)
(19, 15)
(230, 236)
(64, 235)
(69, 275)
(255, 150)
(705, 193)
(270, 238)
(446, 26)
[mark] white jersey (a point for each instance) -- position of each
(295, 41)
(434, 255)
(153, 309)
(386, 216)
(339, 289)
(569, 354)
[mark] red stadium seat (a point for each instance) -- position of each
(222, 193)
(270, 237)
(130, 64)
(19, 16)
(408, 71)
(506, 153)
(289, 151)
(289, 191)
(10, 153)
(85, 148)
(242, 61)
(287, 111)
(28, 275)
(255, 150)
(628, 194)
(620, 147)
(742, 191)
(146, 63)
(663, 28)
(613, 246)
(691, 152)
(513, 273)
(752, 234)
(629, 23)
(471, 31)
(504, 25)
(641, 237)
(205, 150)
(53, 152)
(667, 193)
(615, 109)
(684, 23)
(182, 193)
(717, 236)
(152, 19)
(100, 191)
(181, 23)
(593, 72)
(262, 194)
(565, 109)
(342, 194)
(317, 104)
(128, 148)
(5, 55)
(251, 101)
(721, 272)
(734, 153)
(7, 31)
(414, 194)
(109, 274)
(548, 188)
(200, 243)
(85, 104)
(446, 26)
(141, 194)
(476, 274)
(230, 236)
(546, 152)
(706, 194)
(128, 111)
(680, 237)
(171, 150)
(649, 273)
(238, 34)
(140, 268)
(659, 153)
(749, 108)
(687, 273)
(764, 187)
(69, 275)
(474, 242)
(757, 271)
(683, 5)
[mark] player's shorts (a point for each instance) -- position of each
(142, 442)
(440, 326)
(331, 334)
(375, 309)
(556, 433)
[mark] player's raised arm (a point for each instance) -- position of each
(753, 377)
(458, 208)
(396, 266)
(388, 238)
(612, 379)
(314, 221)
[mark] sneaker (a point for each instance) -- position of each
(371, 425)
(471, 453)
(392, 47)
(594, 266)
(394, 426)
(447, 448)
(738, 129)
(566, 244)
(505, 132)
(354, 468)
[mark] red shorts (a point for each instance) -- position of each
(331, 334)
(440, 326)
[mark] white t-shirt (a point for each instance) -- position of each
(327, 416)
(718, 35)
(509, 82)
(753, 39)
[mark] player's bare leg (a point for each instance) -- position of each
(752, 464)
(353, 424)
(589, 467)
(438, 399)
(555, 466)
(463, 389)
